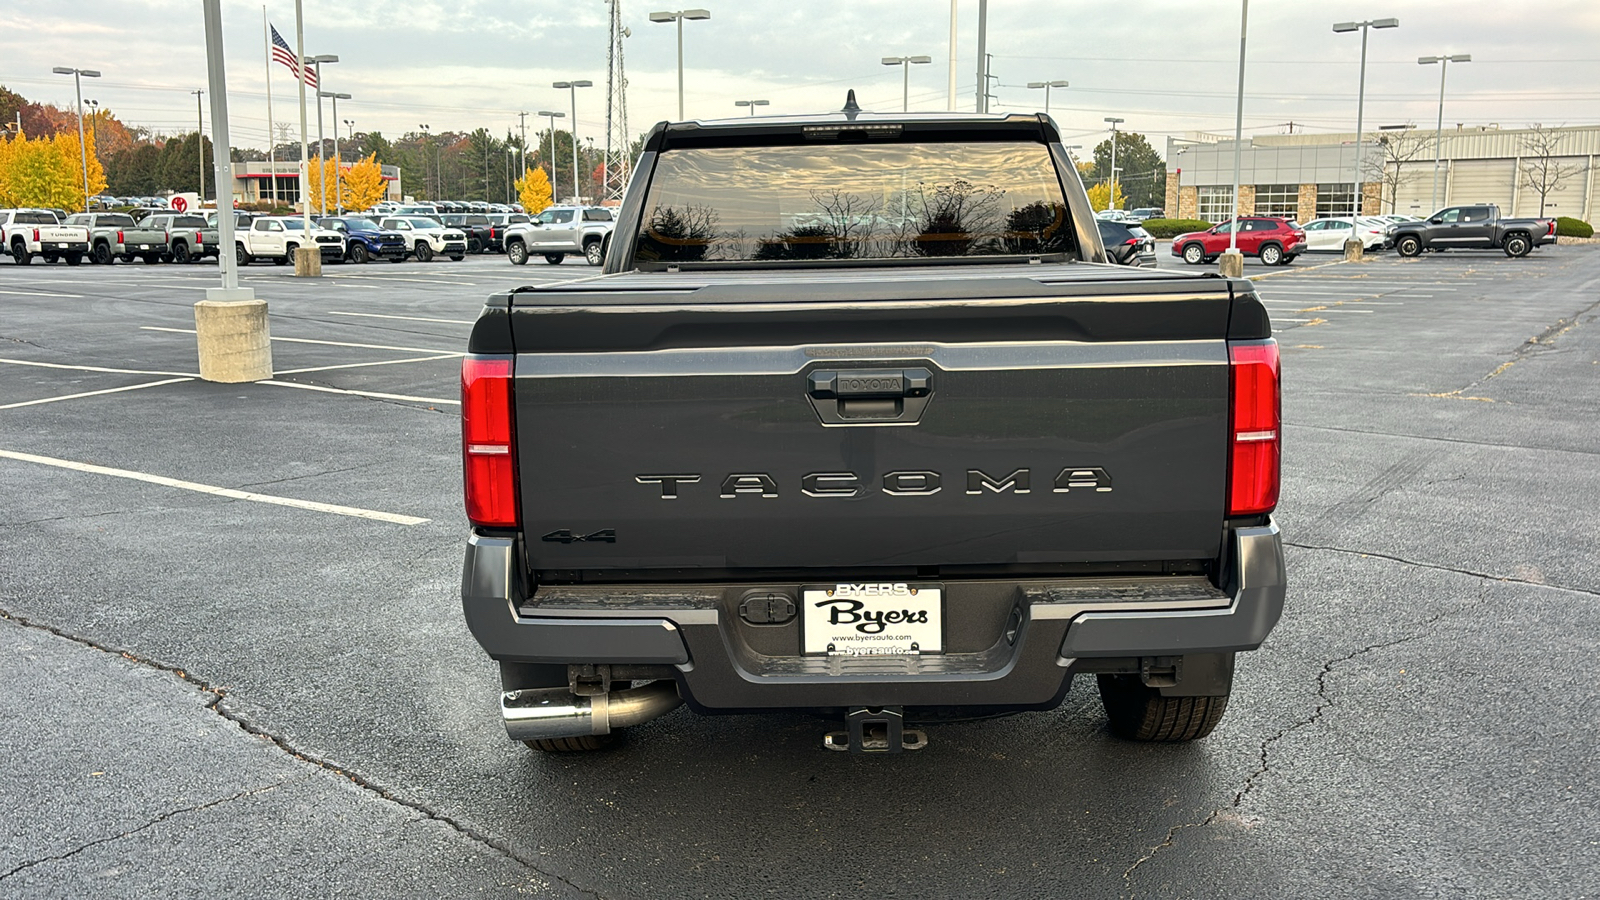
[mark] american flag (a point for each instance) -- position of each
(282, 53)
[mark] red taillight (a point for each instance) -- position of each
(119, 237)
(1132, 240)
(1552, 227)
(486, 441)
(36, 235)
(1257, 437)
(199, 238)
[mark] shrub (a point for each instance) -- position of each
(1567, 226)
(1170, 228)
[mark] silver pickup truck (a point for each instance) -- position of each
(115, 236)
(561, 230)
(189, 238)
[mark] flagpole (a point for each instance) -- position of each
(310, 251)
(272, 156)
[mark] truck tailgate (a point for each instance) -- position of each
(741, 421)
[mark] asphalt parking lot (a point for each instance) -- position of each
(235, 661)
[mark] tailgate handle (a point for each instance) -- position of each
(869, 396)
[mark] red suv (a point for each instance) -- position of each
(1275, 241)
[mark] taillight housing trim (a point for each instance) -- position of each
(488, 441)
(1255, 427)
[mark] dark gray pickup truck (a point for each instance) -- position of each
(1473, 228)
(857, 421)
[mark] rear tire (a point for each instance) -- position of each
(424, 251)
(573, 744)
(1408, 245)
(180, 253)
(594, 253)
(517, 252)
(1194, 254)
(1518, 245)
(1271, 255)
(554, 259)
(457, 257)
(19, 252)
(73, 259)
(101, 254)
(151, 259)
(1139, 713)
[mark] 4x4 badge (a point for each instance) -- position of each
(565, 536)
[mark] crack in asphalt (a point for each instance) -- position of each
(216, 704)
(146, 826)
(1324, 703)
(1510, 579)
(16, 340)
(288, 478)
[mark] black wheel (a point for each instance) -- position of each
(180, 253)
(359, 254)
(73, 259)
(594, 253)
(50, 259)
(424, 251)
(101, 254)
(1140, 713)
(473, 246)
(457, 257)
(241, 255)
(554, 259)
(1518, 245)
(1289, 258)
(1194, 254)
(151, 259)
(1408, 245)
(573, 744)
(398, 259)
(19, 252)
(1271, 255)
(517, 252)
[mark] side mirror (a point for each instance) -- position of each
(1436, 221)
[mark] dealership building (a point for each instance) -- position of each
(260, 179)
(1309, 176)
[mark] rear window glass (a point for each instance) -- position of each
(36, 218)
(114, 221)
(853, 201)
(597, 215)
(188, 222)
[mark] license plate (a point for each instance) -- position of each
(872, 618)
(144, 246)
(62, 246)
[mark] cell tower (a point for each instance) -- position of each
(618, 164)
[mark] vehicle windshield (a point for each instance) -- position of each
(360, 225)
(854, 201)
(423, 224)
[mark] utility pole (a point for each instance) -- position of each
(200, 143)
(983, 56)
(522, 151)
(951, 103)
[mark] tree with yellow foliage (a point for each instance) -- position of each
(363, 184)
(320, 188)
(1101, 193)
(47, 172)
(533, 189)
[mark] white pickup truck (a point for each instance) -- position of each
(560, 230)
(277, 237)
(37, 232)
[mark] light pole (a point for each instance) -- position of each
(522, 151)
(425, 140)
(1047, 85)
(679, 16)
(94, 125)
(752, 104)
(83, 149)
(1232, 257)
(1361, 101)
(553, 116)
(200, 142)
(905, 80)
(338, 189)
(1438, 131)
(1111, 198)
(571, 87)
(322, 188)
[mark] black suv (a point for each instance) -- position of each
(477, 227)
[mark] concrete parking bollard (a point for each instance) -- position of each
(234, 341)
(307, 262)
(1231, 264)
(1354, 250)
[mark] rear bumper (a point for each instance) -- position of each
(1012, 644)
(60, 247)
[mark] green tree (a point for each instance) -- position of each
(1142, 174)
(180, 164)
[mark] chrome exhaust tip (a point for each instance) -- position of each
(545, 713)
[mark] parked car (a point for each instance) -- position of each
(1127, 244)
(1115, 215)
(37, 232)
(1274, 241)
(115, 236)
(561, 230)
(416, 209)
(1149, 212)
(427, 237)
(1474, 228)
(277, 237)
(1331, 233)
(365, 241)
(190, 238)
(475, 226)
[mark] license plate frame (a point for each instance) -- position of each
(872, 618)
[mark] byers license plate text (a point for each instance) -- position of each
(873, 618)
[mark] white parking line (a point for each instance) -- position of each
(131, 387)
(45, 365)
(384, 362)
(407, 318)
(312, 505)
(375, 394)
(325, 343)
(45, 294)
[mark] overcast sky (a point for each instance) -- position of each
(1166, 66)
